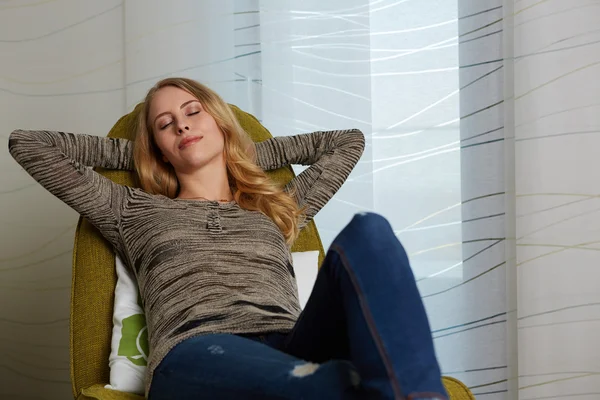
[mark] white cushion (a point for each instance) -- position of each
(306, 267)
(127, 360)
(129, 346)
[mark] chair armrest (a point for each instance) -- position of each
(456, 389)
(99, 392)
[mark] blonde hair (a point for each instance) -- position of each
(251, 187)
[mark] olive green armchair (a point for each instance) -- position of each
(94, 280)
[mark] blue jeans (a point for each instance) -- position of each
(363, 334)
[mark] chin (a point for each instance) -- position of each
(190, 167)
(196, 163)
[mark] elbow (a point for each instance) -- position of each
(359, 139)
(20, 139)
(14, 138)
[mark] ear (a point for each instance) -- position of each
(165, 159)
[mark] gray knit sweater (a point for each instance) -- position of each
(201, 266)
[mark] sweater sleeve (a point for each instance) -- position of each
(331, 155)
(62, 163)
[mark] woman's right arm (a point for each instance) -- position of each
(62, 163)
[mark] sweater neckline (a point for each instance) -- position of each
(206, 202)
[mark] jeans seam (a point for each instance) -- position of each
(370, 323)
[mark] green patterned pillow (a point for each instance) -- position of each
(129, 345)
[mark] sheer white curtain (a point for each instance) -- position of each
(529, 139)
(498, 212)
(556, 125)
(390, 69)
(482, 124)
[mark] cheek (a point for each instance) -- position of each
(215, 145)
(217, 139)
(221, 143)
(162, 144)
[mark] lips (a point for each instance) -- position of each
(188, 141)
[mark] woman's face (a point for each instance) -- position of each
(185, 133)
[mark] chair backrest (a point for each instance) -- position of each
(94, 277)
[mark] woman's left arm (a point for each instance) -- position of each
(331, 155)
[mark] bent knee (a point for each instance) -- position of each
(369, 222)
(372, 229)
(371, 233)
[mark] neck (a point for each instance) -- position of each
(209, 182)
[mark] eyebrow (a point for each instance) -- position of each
(168, 112)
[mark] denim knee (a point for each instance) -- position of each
(368, 222)
(371, 232)
(371, 226)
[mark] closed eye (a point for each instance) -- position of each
(170, 122)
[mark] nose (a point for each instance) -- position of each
(182, 127)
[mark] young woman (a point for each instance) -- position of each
(208, 238)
